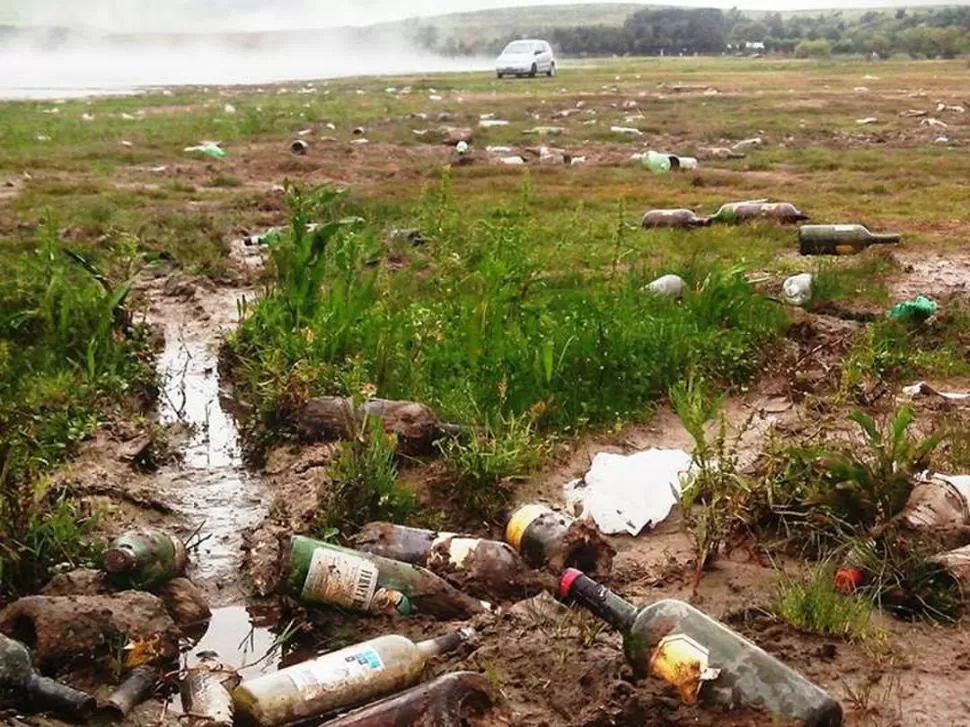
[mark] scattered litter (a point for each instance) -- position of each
(420, 132)
(573, 161)
(783, 212)
(127, 144)
(683, 218)
(209, 148)
(683, 663)
(868, 120)
(671, 286)
(626, 130)
(913, 113)
(359, 141)
(554, 540)
(625, 494)
(719, 152)
(452, 135)
(921, 388)
(87, 117)
(512, 161)
(461, 147)
(748, 143)
(54, 110)
(861, 89)
(358, 131)
(916, 310)
(435, 97)
(840, 239)
(304, 132)
(330, 126)
(159, 169)
(941, 140)
(930, 121)
(488, 123)
(942, 107)
(797, 289)
(498, 149)
(127, 117)
(299, 147)
(229, 108)
(545, 130)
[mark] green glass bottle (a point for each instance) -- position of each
(142, 559)
(839, 239)
(324, 573)
(672, 639)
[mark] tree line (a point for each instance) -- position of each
(933, 33)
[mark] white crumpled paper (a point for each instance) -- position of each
(626, 493)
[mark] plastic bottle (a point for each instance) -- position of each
(656, 163)
(345, 678)
(21, 682)
(839, 239)
(672, 286)
(797, 290)
(325, 573)
(140, 559)
(704, 659)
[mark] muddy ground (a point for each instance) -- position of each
(553, 666)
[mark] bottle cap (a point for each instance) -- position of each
(566, 582)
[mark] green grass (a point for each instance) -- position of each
(812, 604)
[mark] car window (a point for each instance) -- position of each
(519, 46)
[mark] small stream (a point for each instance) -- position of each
(211, 488)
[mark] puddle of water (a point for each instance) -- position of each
(241, 638)
(213, 488)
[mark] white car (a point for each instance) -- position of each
(526, 58)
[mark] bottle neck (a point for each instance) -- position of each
(885, 238)
(599, 599)
(444, 644)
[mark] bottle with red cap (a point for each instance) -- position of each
(703, 658)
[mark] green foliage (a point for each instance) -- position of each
(714, 499)
(812, 604)
(489, 318)
(364, 484)
(820, 48)
(484, 464)
(66, 344)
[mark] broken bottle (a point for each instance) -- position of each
(325, 573)
(141, 559)
(345, 678)
(552, 540)
(21, 684)
(702, 658)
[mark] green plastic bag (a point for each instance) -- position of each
(917, 310)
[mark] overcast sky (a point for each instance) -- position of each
(202, 15)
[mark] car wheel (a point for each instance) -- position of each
(552, 70)
(533, 71)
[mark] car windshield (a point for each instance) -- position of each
(519, 46)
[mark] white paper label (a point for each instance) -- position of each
(317, 677)
(340, 579)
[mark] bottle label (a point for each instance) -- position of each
(340, 579)
(320, 676)
(520, 522)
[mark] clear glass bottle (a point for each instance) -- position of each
(839, 239)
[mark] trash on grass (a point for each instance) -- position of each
(942, 107)
(735, 212)
(299, 147)
(916, 310)
(461, 148)
(938, 503)
(867, 121)
(921, 388)
(797, 289)
(673, 218)
(489, 123)
(626, 131)
(627, 493)
(209, 148)
(719, 152)
(930, 121)
(839, 239)
(672, 286)
(545, 131)
(23, 685)
(512, 161)
(229, 108)
(748, 143)
(348, 677)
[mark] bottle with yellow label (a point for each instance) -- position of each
(548, 539)
(702, 658)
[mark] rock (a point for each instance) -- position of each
(454, 135)
(79, 582)
(65, 629)
(186, 605)
(264, 557)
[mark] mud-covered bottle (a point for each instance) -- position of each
(736, 212)
(548, 539)
(140, 559)
(346, 678)
(839, 239)
(21, 684)
(673, 218)
(485, 568)
(448, 701)
(324, 573)
(703, 658)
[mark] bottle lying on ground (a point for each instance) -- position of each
(704, 659)
(345, 678)
(320, 572)
(134, 690)
(839, 239)
(140, 559)
(484, 568)
(206, 692)
(548, 539)
(735, 212)
(448, 701)
(22, 685)
(673, 218)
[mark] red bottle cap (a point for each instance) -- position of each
(566, 582)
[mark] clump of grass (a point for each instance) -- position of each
(364, 484)
(225, 181)
(68, 347)
(812, 604)
(484, 465)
